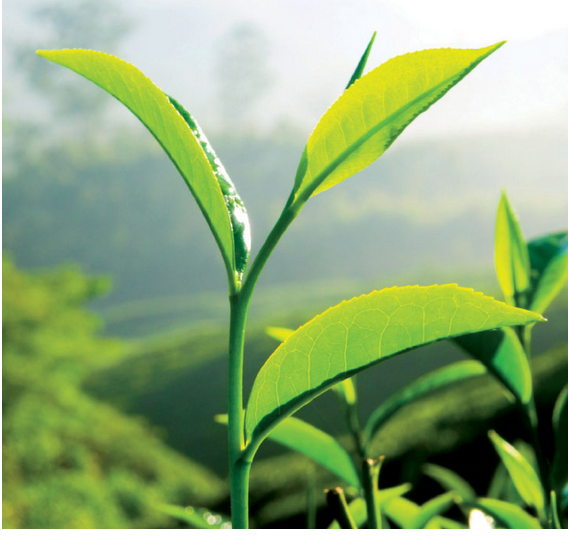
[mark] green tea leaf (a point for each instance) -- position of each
(317, 445)
(549, 261)
(198, 518)
(361, 125)
(358, 73)
(507, 515)
(419, 388)
(147, 102)
(511, 255)
(236, 208)
(502, 353)
(345, 389)
(559, 472)
(450, 480)
(521, 472)
(356, 334)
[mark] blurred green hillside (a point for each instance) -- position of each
(69, 460)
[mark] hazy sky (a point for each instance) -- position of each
(315, 44)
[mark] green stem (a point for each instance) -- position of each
(339, 508)
(370, 477)
(238, 472)
(239, 459)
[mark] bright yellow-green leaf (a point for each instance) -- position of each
(511, 254)
(521, 472)
(147, 102)
(345, 389)
(361, 125)
(419, 388)
(503, 354)
(549, 263)
(507, 515)
(358, 333)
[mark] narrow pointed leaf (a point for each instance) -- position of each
(521, 472)
(356, 334)
(147, 102)
(358, 73)
(361, 125)
(449, 480)
(419, 388)
(317, 445)
(549, 262)
(237, 212)
(502, 353)
(560, 425)
(507, 515)
(511, 255)
(432, 508)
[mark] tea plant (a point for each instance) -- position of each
(354, 335)
(530, 273)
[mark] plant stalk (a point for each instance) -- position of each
(238, 472)
(239, 462)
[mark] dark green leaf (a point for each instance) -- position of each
(356, 334)
(408, 515)
(502, 353)
(237, 212)
(549, 262)
(358, 73)
(511, 255)
(419, 388)
(319, 446)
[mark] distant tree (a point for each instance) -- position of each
(243, 71)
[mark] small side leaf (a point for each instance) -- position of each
(511, 255)
(419, 388)
(152, 107)
(317, 445)
(362, 124)
(549, 262)
(522, 474)
(502, 353)
(356, 334)
(358, 73)
(507, 515)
